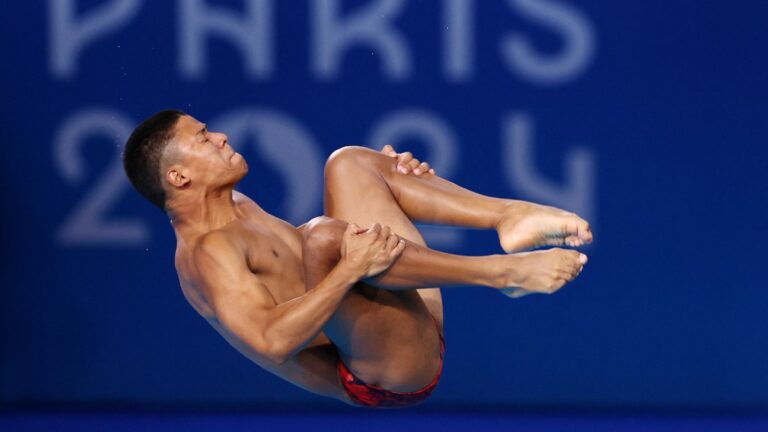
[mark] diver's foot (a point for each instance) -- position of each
(526, 225)
(543, 272)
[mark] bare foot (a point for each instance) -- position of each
(527, 225)
(539, 272)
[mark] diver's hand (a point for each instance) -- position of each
(406, 163)
(368, 252)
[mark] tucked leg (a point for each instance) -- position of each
(383, 329)
(387, 337)
(357, 176)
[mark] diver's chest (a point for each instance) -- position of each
(277, 265)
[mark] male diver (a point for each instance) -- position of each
(346, 305)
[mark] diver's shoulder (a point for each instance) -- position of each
(217, 240)
(242, 199)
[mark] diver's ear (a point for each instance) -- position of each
(176, 176)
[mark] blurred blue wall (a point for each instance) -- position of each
(646, 117)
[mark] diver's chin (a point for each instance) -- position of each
(243, 171)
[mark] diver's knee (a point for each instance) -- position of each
(323, 233)
(348, 161)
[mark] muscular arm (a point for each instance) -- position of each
(243, 305)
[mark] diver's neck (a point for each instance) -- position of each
(195, 213)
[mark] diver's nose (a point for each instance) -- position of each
(222, 140)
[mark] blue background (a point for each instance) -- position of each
(670, 312)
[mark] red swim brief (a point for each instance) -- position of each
(372, 396)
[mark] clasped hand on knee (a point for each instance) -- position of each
(369, 252)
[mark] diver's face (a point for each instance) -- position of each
(205, 157)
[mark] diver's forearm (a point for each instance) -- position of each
(296, 323)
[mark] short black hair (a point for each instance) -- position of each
(142, 153)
